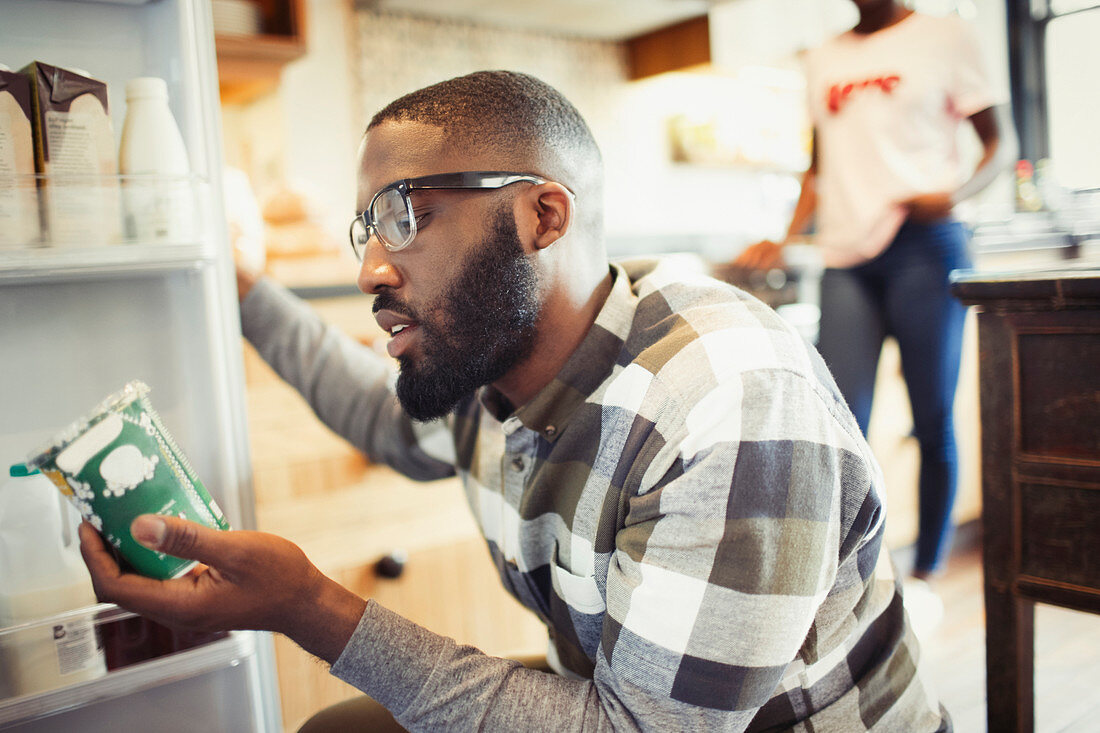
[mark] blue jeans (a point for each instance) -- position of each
(904, 293)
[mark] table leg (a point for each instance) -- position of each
(1009, 661)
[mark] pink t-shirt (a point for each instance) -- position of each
(887, 107)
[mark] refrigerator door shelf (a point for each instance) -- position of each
(103, 612)
(228, 652)
(102, 221)
(21, 267)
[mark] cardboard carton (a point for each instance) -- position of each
(74, 149)
(19, 225)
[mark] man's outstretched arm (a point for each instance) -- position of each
(248, 580)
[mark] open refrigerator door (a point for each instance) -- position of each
(90, 302)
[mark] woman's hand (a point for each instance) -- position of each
(760, 256)
(929, 207)
(247, 580)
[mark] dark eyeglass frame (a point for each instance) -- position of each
(464, 180)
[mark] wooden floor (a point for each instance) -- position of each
(1067, 657)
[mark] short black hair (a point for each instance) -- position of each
(522, 121)
(503, 110)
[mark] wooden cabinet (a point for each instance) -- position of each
(1039, 353)
(250, 65)
(675, 48)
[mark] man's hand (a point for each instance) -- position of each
(929, 207)
(246, 277)
(247, 580)
(760, 256)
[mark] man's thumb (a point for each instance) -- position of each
(177, 537)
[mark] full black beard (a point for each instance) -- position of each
(482, 326)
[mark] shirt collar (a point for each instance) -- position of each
(549, 411)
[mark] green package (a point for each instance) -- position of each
(120, 462)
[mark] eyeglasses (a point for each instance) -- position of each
(390, 214)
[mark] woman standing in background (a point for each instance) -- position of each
(887, 99)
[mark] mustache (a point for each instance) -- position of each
(386, 300)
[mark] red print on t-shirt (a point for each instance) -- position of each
(839, 93)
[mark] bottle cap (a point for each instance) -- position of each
(145, 87)
(21, 469)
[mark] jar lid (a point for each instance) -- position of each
(146, 87)
(20, 470)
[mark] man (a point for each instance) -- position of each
(663, 470)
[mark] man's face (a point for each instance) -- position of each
(462, 300)
(473, 334)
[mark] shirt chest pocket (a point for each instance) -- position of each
(576, 607)
(579, 592)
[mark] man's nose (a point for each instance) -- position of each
(377, 270)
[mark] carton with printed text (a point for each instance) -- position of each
(74, 148)
(18, 196)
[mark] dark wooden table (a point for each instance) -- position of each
(1039, 365)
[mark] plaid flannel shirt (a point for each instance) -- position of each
(688, 506)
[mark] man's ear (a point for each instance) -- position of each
(548, 209)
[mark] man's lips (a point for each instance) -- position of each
(401, 328)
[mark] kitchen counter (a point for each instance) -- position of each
(1058, 285)
(1030, 261)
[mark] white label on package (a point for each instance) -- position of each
(77, 646)
(72, 459)
(71, 141)
(7, 146)
(18, 199)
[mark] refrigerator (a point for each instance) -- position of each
(82, 315)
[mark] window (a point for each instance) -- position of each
(1073, 94)
(1054, 60)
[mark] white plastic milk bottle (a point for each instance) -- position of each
(152, 159)
(42, 574)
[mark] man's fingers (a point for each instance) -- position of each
(180, 538)
(110, 583)
(147, 596)
(101, 564)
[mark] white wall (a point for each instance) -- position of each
(360, 60)
(302, 137)
(318, 105)
(306, 134)
(1073, 60)
(650, 203)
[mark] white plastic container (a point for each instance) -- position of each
(42, 574)
(157, 201)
